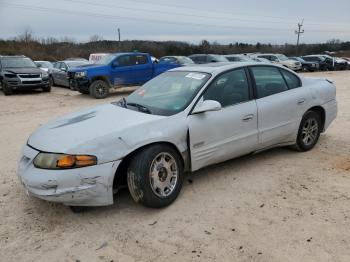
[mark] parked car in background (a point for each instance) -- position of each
(306, 65)
(93, 58)
(59, 73)
(347, 59)
(323, 63)
(341, 63)
(238, 58)
(76, 59)
(182, 120)
(282, 60)
(44, 65)
(21, 73)
(115, 70)
(205, 58)
(179, 60)
(260, 59)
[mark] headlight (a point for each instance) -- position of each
(80, 74)
(63, 161)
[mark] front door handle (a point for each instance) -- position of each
(301, 101)
(247, 118)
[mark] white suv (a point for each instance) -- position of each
(283, 60)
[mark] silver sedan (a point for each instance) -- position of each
(182, 120)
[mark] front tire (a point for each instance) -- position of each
(99, 89)
(6, 89)
(309, 131)
(155, 176)
(47, 88)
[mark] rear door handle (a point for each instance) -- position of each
(301, 101)
(248, 117)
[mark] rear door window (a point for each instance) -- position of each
(292, 80)
(268, 81)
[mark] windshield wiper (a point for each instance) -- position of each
(140, 107)
(123, 103)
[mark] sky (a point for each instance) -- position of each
(224, 21)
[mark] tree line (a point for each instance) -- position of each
(53, 49)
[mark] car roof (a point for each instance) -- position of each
(12, 56)
(219, 66)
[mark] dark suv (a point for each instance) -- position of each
(20, 72)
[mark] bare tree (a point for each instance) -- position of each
(95, 38)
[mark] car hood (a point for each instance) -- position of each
(89, 130)
(87, 68)
(23, 70)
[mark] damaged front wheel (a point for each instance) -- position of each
(155, 176)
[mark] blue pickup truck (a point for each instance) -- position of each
(115, 70)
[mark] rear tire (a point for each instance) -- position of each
(155, 176)
(99, 89)
(309, 131)
(6, 89)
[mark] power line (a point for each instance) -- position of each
(290, 21)
(230, 13)
(106, 16)
(299, 32)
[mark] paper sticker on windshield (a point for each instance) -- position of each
(196, 76)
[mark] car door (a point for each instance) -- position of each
(62, 74)
(281, 103)
(143, 69)
(122, 70)
(54, 72)
(216, 136)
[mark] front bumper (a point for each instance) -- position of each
(87, 186)
(295, 67)
(17, 84)
(79, 83)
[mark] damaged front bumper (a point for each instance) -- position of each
(86, 186)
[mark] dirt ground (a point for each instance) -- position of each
(278, 205)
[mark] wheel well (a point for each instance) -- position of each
(120, 174)
(103, 78)
(321, 112)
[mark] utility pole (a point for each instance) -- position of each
(119, 36)
(299, 32)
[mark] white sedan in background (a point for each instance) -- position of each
(182, 120)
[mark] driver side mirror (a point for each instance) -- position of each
(63, 69)
(206, 106)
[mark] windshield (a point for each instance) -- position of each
(220, 58)
(17, 62)
(43, 64)
(168, 93)
(185, 60)
(282, 57)
(106, 60)
(76, 63)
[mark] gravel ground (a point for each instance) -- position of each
(279, 205)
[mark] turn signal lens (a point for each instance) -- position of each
(62, 161)
(66, 161)
(85, 160)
